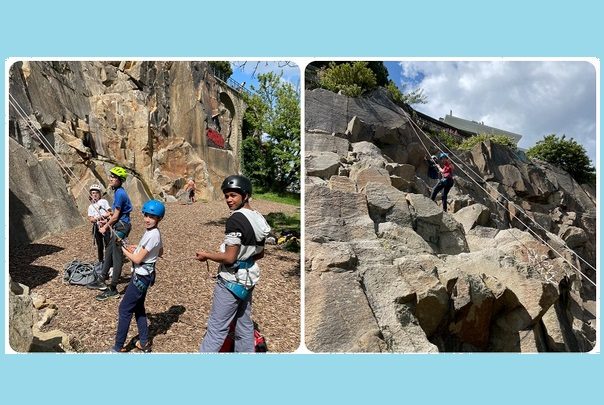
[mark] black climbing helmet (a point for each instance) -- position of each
(239, 184)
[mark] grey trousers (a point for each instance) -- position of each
(225, 308)
(114, 257)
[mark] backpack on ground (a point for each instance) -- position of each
(79, 273)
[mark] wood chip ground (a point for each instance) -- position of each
(179, 303)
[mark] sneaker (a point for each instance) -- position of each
(145, 349)
(108, 293)
(97, 285)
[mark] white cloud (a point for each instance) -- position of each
(530, 98)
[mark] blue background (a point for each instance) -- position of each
(314, 29)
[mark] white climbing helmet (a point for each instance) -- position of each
(96, 187)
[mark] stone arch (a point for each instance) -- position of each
(229, 117)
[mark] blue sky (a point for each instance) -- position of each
(531, 98)
(249, 71)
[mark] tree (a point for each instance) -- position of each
(377, 67)
(271, 131)
(352, 79)
(414, 97)
(565, 154)
(380, 71)
(222, 69)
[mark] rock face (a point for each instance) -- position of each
(39, 202)
(21, 318)
(388, 270)
(28, 314)
(153, 118)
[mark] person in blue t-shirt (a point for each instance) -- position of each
(119, 226)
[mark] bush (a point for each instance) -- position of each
(567, 155)
(395, 93)
(448, 139)
(352, 79)
(469, 143)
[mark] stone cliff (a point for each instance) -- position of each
(70, 122)
(388, 270)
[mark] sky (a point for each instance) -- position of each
(248, 71)
(530, 98)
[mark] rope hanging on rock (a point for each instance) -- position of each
(414, 125)
(62, 164)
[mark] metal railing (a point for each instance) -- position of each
(233, 84)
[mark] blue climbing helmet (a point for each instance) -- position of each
(154, 207)
(443, 155)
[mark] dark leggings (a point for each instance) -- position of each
(444, 184)
(133, 303)
(100, 240)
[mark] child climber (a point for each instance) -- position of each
(238, 273)
(143, 257)
(98, 212)
(446, 182)
(118, 226)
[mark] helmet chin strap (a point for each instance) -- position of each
(243, 201)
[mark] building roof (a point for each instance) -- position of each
(477, 127)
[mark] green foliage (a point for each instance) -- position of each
(414, 97)
(353, 79)
(565, 154)
(271, 132)
(377, 67)
(448, 139)
(380, 71)
(280, 221)
(283, 198)
(470, 142)
(222, 69)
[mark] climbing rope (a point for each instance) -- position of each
(42, 139)
(414, 125)
(62, 164)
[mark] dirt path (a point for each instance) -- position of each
(179, 303)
